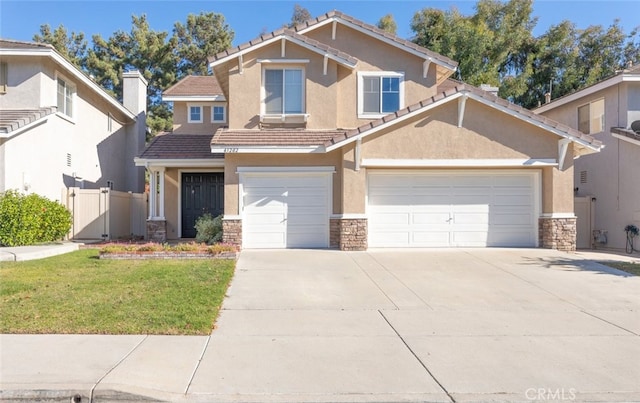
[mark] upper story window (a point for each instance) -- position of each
(218, 114)
(195, 114)
(3, 77)
(283, 91)
(591, 117)
(379, 93)
(65, 95)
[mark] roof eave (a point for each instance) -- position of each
(194, 98)
(74, 72)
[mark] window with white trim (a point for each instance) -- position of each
(591, 117)
(283, 90)
(65, 96)
(380, 93)
(218, 114)
(195, 114)
(4, 74)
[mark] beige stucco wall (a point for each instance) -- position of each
(181, 123)
(611, 174)
(233, 161)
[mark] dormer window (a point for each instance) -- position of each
(283, 91)
(379, 93)
(195, 114)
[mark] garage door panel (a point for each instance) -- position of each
(433, 238)
(434, 218)
(453, 209)
(389, 238)
(286, 210)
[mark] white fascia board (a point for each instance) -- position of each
(393, 122)
(381, 38)
(267, 149)
(278, 38)
(577, 95)
(194, 98)
(462, 163)
(179, 163)
(534, 122)
(25, 127)
(70, 68)
(286, 169)
(625, 138)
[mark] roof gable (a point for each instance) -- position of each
(377, 33)
(585, 143)
(284, 35)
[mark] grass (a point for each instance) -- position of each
(77, 293)
(629, 267)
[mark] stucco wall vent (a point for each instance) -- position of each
(583, 176)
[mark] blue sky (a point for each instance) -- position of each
(21, 19)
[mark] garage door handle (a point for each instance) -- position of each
(450, 219)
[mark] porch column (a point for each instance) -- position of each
(160, 173)
(152, 193)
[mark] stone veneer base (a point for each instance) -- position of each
(232, 232)
(157, 231)
(349, 234)
(557, 233)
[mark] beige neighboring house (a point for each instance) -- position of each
(59, 129)
(337, 134)
(610, 112)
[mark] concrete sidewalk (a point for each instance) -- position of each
(498, 325)
(21, 253)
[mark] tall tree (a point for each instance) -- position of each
(388, 23)
(201, 36)
(300, 15)
(73, 46)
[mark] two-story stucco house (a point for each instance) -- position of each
(610, 112)
(58, 128)
(338, 134)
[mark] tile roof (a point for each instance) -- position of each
(273, 137)
(448, 91)
(13, 44)
(375, 30)
(626, 132)
(180, 146)
(195, 85)
(13, 119)
(285, 32)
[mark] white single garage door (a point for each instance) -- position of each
(453, 208)
(285, 209)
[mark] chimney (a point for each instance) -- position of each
(547, 97)
(134, 98)
(490, 89)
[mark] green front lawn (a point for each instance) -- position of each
(629, 267)
(78, 293)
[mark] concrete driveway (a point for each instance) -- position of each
(428, 325)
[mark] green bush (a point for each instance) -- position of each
(209, 229)
(31, 219)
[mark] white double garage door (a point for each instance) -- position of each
(448, 208)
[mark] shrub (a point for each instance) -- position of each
(209, 229)
(31, 219)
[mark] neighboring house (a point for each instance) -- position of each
(58, 128)
(607, 111)
(339, 134)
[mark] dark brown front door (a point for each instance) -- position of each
(201, 193)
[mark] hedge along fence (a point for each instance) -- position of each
(31, 219)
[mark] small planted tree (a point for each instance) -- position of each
(209, 229)
(31, 219)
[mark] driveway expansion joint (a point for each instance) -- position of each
(418, 358)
